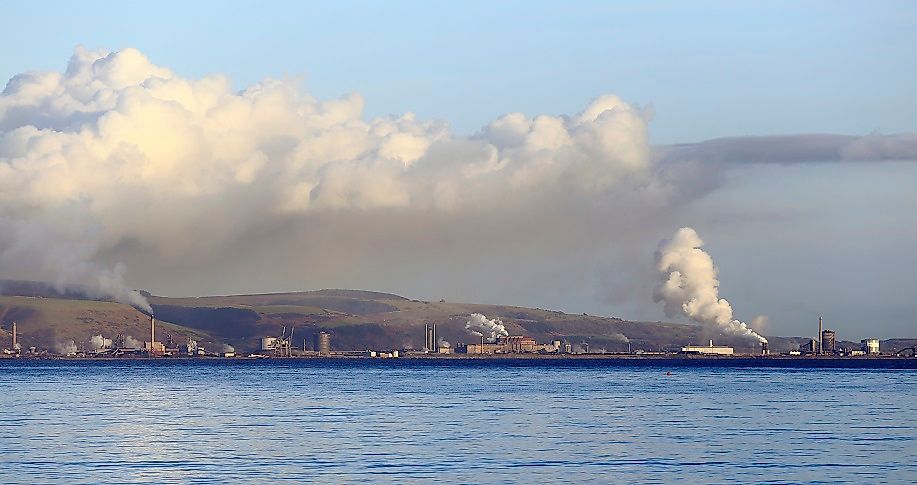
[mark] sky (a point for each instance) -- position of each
(710, 69)
(528, 153)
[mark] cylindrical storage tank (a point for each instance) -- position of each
(394, 353)
(324, 343)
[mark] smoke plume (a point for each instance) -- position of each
(689, 285)
(98, 342)
(619, 337)
(66, 348)
(132, 343)
(480, 325)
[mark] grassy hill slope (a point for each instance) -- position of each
(48, 322)
(356, 320)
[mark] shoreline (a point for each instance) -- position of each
(461, 357)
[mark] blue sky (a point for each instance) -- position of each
(710, 69)
(791, 240)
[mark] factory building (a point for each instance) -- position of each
(268, 344)
(191, 348)
(154, 348)
(707, 349)
(810, 347)
(513, 344)
(870, 346)
(444, 348)
(517, 344)
(828, 341)
(323, 343)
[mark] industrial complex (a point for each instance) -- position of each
(319, 344)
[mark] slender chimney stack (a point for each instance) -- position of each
(819, 337)
(14, 336)
(152, 331)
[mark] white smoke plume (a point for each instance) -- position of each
(132, 343)
(228, 348)
(98, 342)
(480, 325)
(60, 245)
(619, 337)
(117, 159)
(66, 348)
(690, 286)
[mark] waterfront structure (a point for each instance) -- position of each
(870, 346)
(708, 349)
(323, 343)
(444, 348)
(512, 344)
(191, 348)
(517, 344)
(810, 347)
(429, 342)
(828, 341)
(819, 334)
(268, 344)
(153, 347)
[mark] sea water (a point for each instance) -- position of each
(458, 421)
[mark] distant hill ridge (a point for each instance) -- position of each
(356, 319)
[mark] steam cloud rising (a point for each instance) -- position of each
(132, 343)
(689, 285)
(118, 160)
(98, 342)
(66, 348)
(480, 325)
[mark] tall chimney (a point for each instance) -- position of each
(14, 336)
(152, 331)
(819, 337)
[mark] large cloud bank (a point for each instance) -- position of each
(118, 160)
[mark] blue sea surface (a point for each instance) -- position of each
(458, 421)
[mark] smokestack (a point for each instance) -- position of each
(152, 331)
(14, 336)
(711, 342)
(764, 349)
(819, 337)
